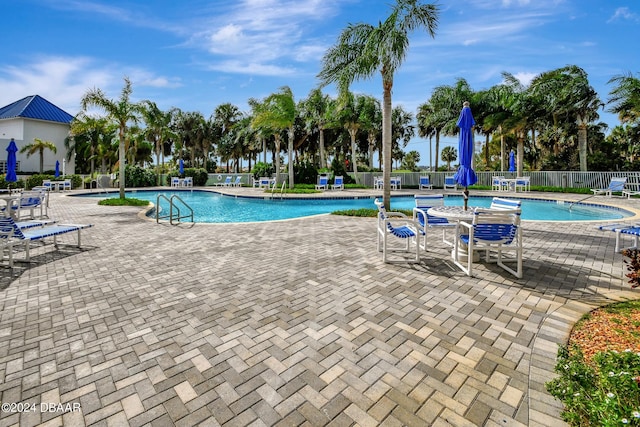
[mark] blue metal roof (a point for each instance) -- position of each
(35, 107)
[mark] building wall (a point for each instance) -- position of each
(24, 131)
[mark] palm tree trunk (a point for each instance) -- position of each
(582, 144)
(386, 141)
(122, 156)
(437, 148)
(290, 135)
(323, 163)
(352, 134)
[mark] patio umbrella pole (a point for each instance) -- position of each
(465, 197)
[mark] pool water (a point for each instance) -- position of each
(213, 207)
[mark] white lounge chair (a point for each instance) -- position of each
(16, 236)
(396, 183)
(425, 221)
(323, 183)
(338, 183)
(226, 183)
(492, 231)
(396, 225)
(615, 186)
(425, 183)
(237, 182)
(450, 183)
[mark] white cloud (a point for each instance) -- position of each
(623, 13)
(64, 80)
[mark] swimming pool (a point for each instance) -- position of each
(215, 208)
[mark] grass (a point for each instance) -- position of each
(123, 202)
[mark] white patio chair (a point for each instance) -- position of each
(394, 226)
(187, 182)
(450, 183)
(426, 221)
(425, 183)
(497, 183)
(523, 183)
(498, 203)
(323, 183)
(493, 231)
(338, 183)
(615, 186)
(175, 181)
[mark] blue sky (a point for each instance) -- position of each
(196, 54)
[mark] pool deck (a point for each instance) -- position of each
(295, 322)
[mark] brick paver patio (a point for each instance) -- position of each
(287, 323)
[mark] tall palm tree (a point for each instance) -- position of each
(158, 129)
(449, 154)
(278, 112)
(93, 130)
(363, 50)
(121, 111)
(38, 146)
(426, 129)
(568, 93)
(348, 113)
(371, 122)
(315, 113)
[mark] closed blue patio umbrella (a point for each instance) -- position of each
(181, 163)
(57, 174)
(465, 176)
(512, 161)
(12, 149)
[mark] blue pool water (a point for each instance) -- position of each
(213, 207)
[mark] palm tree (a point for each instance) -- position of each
(568, 93)
(38, 146)
(93, 130)
(624, 99)
(363, 50)
(278, 112)
(426, 128)
(158, 129)
(449, 154)
(122, 112)
(371, 122)
(315, 113)
(348, 113)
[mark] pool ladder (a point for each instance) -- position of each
(174, 209)
(281, 190)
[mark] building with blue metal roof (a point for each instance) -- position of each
(35, 117)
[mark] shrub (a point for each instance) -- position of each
(5, 184)
(135, 176)
(605, 395)
(262, 169)
(305, 172)
(338, 169)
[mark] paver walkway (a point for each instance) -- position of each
(287, 323)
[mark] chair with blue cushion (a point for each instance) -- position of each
(17, 236)
(498, 183)
(450, 183)
(175, 181)
(396, 226)
(323, 183)
(425, 183)
(492, 231)
(523, 183)
(426, 221)
(188, 182)
(615, 186)
(338, 183)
